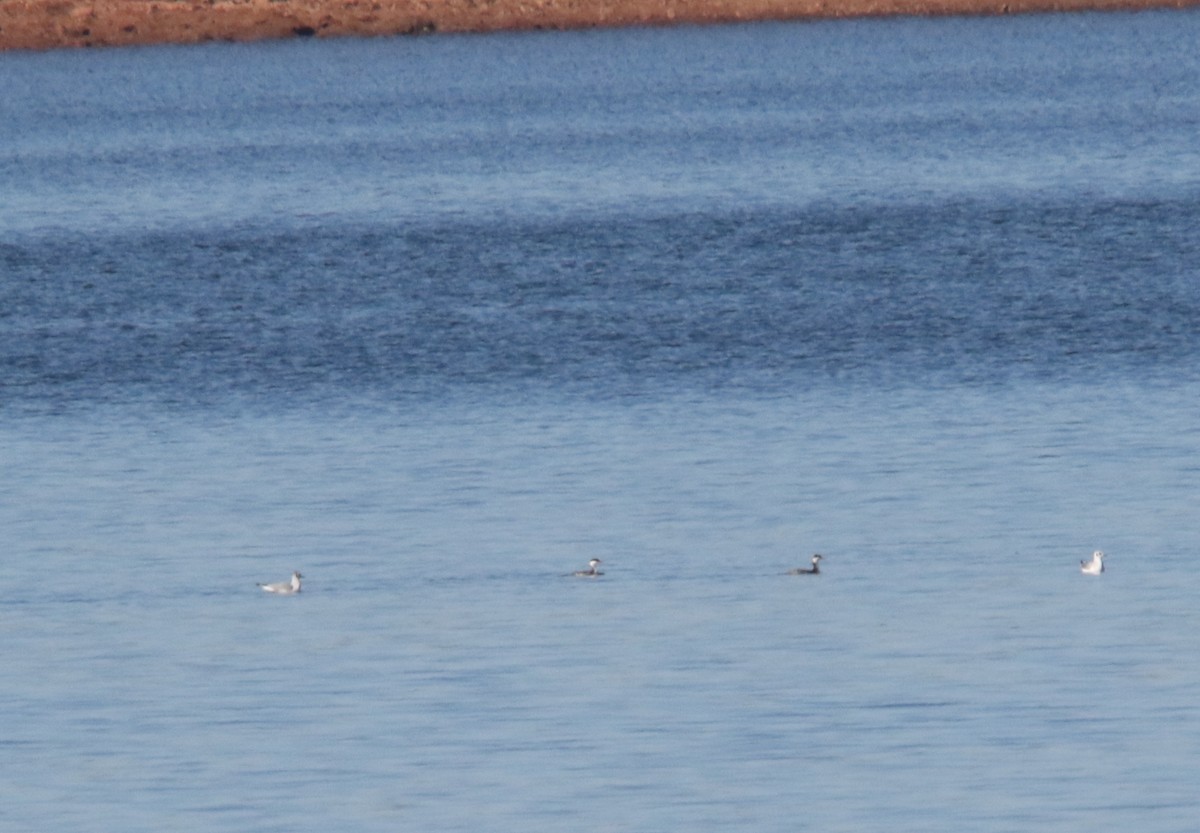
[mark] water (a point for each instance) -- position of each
(437, 320)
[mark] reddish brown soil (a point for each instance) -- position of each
(45, 24)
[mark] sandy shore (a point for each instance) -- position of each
(46, 24)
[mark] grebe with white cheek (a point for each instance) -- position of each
(1094, 567)
(591, 571)
(283, 588)
(815, 569)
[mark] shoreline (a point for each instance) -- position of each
(54, 24)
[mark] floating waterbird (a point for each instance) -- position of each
(808, 571)
(283, 588)
(1094, 567)
(591, 571)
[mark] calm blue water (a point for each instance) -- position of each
(437, 320)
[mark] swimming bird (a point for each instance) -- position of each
(591, 571)
(1094, 567)
(283, 588)
(806, 571)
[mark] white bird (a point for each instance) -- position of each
(1094, 567)
(807, 571)
(283, 588)
(591, 571)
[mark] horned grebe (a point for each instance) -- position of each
(283, 588)
(805, 571)
(1094, 567)
(591, 571)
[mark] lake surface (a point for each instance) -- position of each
(436, 320)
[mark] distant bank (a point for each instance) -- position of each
(48, 24)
